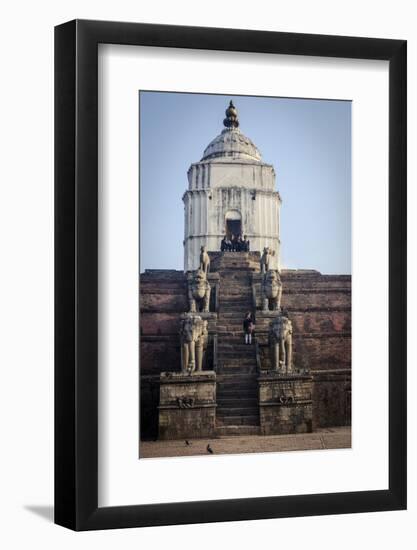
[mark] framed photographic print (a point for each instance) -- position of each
(230, 275)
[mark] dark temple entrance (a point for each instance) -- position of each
(233, 227)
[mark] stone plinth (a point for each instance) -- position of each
(187, 405)
(285, 403)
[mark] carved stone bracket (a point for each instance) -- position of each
(185, 402)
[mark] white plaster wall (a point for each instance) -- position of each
(214, 188)
(205, 218)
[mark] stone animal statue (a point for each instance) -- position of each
(193, 336)
(198, 292)
(280, 344)
(204, 260)
(271, 291)
(266, 259)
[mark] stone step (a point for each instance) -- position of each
(238, 385)
(245, 412)
(236, 370)
(226, 431)
(250, 420)
(237, 300)
(236, 304)
(233, 332)
(230, 315)
(248, 391)
(229, 323)
(235, 315)
(238, 347)
(244, 367)
(234, 293)
(243, 402)
(238, 397)
(242, 349)
(235, 347)
(244, 364)
(236, 360)
(237, 357)
(234, 289)
(248, 388)
(229, 274)
(230, 330)
(236, 379)
(235, 311)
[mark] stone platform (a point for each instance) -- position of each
(285, 403)
(187, 406)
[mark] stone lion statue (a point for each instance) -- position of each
(271, 291)
(204, 260)
(280, 344)
(193, 336)
(266, 258)
(198, 292)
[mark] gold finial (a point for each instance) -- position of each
(231, 120)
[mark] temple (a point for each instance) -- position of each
(198, 378)
(231, 191)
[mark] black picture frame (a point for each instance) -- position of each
(76, 272)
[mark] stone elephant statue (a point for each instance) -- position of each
(280, 344)
(266, 259)
(198, 292)
(193, 336)
(271, 291)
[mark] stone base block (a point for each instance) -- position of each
(285, 403)
(187, 405)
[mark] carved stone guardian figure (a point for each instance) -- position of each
(198, 292)
(266, 258)
(280, 344)
(204, 260)
(271, 291)
(194, 336)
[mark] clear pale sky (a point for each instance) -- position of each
(307, 141)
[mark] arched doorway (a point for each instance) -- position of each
(233, 223)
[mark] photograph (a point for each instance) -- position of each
(245, 274)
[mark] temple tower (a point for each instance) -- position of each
(230, 191)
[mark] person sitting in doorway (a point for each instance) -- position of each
(246, 244)
(223, 244)
(239, 244)
(226, 244)
(234, 243)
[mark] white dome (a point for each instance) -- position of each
(232, 144)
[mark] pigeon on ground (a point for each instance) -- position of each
(209, 449)
(187, 442)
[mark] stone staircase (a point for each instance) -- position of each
(237, 387)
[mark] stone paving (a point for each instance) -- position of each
(327, 438)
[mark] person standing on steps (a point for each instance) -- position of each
(248, 327)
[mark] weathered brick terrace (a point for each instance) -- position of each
(318, 305)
